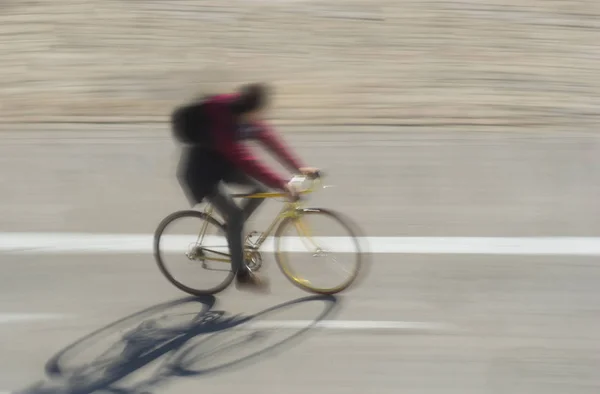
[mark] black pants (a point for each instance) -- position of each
(203, 174)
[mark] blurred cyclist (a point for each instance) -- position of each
(213, 131)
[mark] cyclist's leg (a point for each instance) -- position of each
(250, 205)
(234, 217)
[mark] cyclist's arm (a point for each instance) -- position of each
(275, 144)
(242, 157)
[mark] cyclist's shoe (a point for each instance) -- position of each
(249, 281)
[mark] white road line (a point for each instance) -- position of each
(82, 243)
(26, 317)
(347, 325)
(356, 325)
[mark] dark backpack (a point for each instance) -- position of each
(191, 125)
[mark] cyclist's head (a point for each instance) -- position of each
(252, 101)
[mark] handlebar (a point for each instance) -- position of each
(318, 175)
(300, 179)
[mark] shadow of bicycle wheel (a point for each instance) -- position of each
(246, 340)
(188, 338)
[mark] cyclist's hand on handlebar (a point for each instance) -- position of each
(292, 192)
(311, 172)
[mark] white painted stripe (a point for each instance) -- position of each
(141, 243)
(25, 317)
(350, 325)
(347, 325)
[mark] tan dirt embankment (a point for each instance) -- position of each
(391, 62)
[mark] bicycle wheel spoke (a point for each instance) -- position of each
(339, 265)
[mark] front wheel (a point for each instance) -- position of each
(321, 242)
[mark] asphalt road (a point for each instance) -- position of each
(418, 323)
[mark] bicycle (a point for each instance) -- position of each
(206, 249)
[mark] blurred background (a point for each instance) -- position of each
(433, 118)
(465, 63)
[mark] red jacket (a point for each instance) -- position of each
(229, 143)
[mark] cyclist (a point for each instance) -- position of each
(213, 132)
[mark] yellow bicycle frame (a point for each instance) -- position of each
(289, 210)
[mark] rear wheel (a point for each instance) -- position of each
(192, 252)
(315, 243)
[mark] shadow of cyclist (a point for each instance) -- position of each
(187, 336)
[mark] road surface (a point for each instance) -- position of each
(479, 321)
